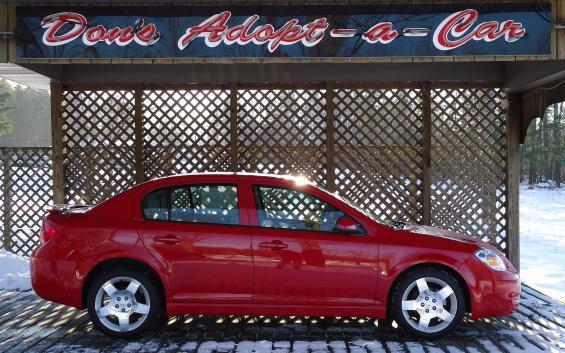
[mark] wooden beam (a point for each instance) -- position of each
(281, 85)
(57, 143)
(426, 153)
(330, 143)
(233, 127)
(138, 133)
(536, 101)
(465, 84)
(513, 126)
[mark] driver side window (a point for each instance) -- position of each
(278, 207)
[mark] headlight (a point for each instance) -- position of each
(491, 259)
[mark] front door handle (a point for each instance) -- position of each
(169, 239)
(273, 245)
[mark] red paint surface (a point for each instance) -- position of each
(247, 269)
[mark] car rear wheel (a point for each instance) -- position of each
(123, 303)
(428, 302)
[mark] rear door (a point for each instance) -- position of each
(298, 257)
(198, 232)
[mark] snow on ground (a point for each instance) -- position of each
(14, 271)
(542, 240)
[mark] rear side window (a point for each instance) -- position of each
(205, 204)
(198, 204)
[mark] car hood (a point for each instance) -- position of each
(442, 233)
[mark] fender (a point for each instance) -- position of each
(120, 246)
(395, 260)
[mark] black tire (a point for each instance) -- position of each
(155, 312)
(452, 308)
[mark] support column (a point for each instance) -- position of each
(426, 153)
(57, 143)
(513, 126)
(330, 143)
(8, 24)
(138, 133)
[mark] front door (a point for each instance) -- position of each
(299, 259)
(196, 232)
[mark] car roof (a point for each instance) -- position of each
(238, 175)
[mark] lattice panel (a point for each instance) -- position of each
(469, 163)
(282, 132)
(27, 188)
(98, 138)
(378, 150)
(186, 131)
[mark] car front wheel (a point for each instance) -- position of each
(123, 303)
(428, 302)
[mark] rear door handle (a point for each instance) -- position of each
(168, 239)
(273, 245)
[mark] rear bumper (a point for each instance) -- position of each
(54, 279)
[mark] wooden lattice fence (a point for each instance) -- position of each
(418, 153)
(431, 154)
(469, 163)
(26, 181)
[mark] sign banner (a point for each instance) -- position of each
(290, 31)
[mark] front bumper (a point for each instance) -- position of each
(492, 293)
(503, 300)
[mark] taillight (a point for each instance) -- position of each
(47, 231)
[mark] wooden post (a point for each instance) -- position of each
(4, 27)
(7, 192)
(513, 126)
(233, 127)
(330, 143)
(426, 153)
(138, 133)
(8, 24)
(57, 142)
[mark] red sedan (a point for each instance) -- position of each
(251, 244)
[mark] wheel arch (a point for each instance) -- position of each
(436, 265)
(121, 262)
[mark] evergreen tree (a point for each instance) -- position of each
(6, 126)
(29, 117)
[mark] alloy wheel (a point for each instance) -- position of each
(429, 304)
(122, 304)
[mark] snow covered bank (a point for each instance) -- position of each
(14, 271)
(542, 240)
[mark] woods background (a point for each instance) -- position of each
(543, 155)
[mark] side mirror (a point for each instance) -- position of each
(346, 224)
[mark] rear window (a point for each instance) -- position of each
(193, 204)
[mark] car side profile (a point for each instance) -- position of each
(250, 244)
